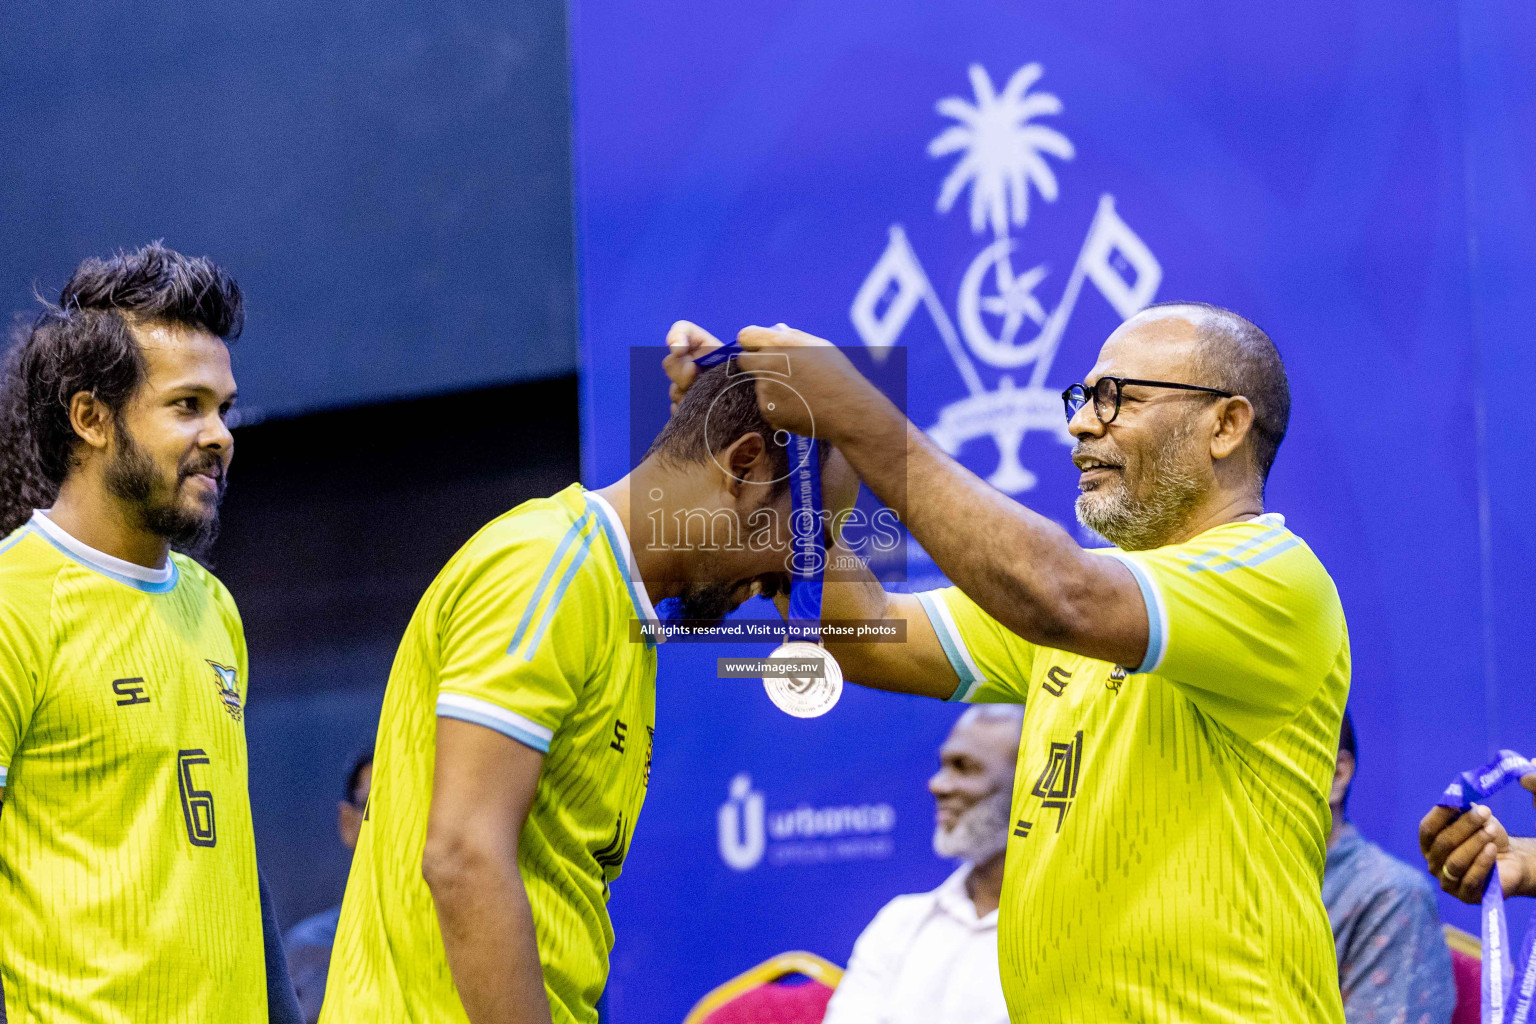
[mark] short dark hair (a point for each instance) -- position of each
(720, 407)
(360, 761)
(1347, 742)
(84, 344)
(1236, 355)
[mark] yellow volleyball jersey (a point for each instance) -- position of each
(1170, 821)
(128, 888)
(525, 631)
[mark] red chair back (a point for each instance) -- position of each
(1467, 966)
(792, 988)
(776, 1003)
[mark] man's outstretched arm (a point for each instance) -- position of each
(1018, 566)
(481, 794)
(918, 665)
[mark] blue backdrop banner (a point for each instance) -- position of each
(994, 186)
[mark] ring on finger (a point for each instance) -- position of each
(1445, 875)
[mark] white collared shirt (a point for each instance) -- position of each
(924, 959)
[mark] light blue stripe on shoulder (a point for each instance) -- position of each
(3, 771)
(618, 556)
(549, 572)
(1253, 542)
(554, 602)
(128, 581)
(1243, 556)
(951, 645)
(474, 717)
(15, 537)
(1223, 561)
(1279, 549)
(1157, 621)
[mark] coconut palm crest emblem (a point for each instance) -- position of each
(1004, 149)
(1003, 159)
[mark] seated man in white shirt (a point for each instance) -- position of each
(931, 958)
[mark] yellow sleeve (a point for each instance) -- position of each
(517, 631)
(1247, 625)
(20, 680)
(993, 663)
(233, 625)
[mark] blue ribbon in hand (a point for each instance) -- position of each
(808, 552)
(1507, 996)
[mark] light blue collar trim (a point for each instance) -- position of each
(151, 581)
(618, 540)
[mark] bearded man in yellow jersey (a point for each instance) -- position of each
(514, 747)
(1183, 690)
(128, 882)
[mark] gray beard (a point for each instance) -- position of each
(980, 833)
(1133, 525)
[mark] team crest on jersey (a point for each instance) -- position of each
(1004, 154)
(226, 678)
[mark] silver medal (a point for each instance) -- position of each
(805, 696)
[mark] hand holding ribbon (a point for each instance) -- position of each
(809, 696)
(1509, 987)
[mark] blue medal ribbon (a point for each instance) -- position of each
(808, 552)
(1508, 996)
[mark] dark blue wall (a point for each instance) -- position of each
(389, 181)
(1358, 177)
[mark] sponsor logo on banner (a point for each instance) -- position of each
(749, 833)
(1002, 329)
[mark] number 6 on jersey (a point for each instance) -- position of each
(196, 804)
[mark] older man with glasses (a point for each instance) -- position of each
(1183, 690)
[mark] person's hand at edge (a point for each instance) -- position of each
(1460, 851)
(686, 341)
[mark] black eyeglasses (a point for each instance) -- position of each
(1106, 395)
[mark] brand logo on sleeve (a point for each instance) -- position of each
(1056, 680)
(226, 678)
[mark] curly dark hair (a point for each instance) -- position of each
(84, 344)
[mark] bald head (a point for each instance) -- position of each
(1234, 354)
(1009, 716)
